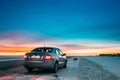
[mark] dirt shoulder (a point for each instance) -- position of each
(89, 70)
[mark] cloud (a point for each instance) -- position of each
(89, 46)
(23, 38)
(10, 35)
(71, 45)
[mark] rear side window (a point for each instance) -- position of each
(60, 52)
(57, 52)
(43, 50)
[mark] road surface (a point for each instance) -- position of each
(77, 69)
(7, 62)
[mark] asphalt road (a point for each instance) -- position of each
(62, 74)
(6, 58)
(7, 62)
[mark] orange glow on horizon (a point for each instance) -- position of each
(92, 52)
(13, 49)
(70, 52)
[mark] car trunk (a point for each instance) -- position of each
(36, 56)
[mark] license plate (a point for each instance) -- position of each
(35, 57)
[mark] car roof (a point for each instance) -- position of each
(49, 47)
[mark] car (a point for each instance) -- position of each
(50, 58)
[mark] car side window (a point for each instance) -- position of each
(57, 52)
(60, 52)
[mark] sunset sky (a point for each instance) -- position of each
(80, 27)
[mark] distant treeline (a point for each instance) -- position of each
(118, 54)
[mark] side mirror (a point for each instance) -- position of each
(64, 54)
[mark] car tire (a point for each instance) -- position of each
(65, 65)
(55, 69)
(29, 69)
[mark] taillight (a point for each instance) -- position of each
(48, 57)
(25, 56)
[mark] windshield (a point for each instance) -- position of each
(43, 50)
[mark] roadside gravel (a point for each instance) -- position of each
(89, 70)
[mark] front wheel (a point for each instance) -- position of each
(65, 65)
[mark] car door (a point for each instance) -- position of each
(63, 58)
(60, 57)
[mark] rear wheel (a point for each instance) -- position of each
(55, 69)
(29, 69)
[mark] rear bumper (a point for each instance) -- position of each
(39, 64)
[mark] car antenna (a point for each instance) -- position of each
(44, 44)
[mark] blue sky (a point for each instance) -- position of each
(62, 19)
